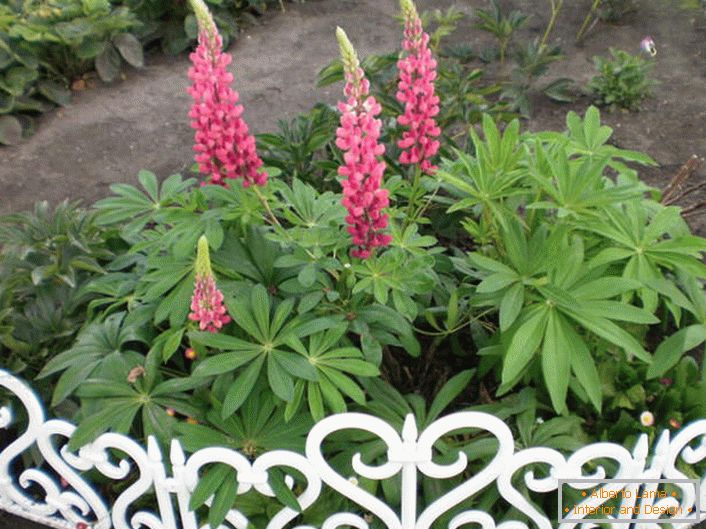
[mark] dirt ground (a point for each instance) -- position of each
(111, 132)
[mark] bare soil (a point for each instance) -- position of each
(111, 132)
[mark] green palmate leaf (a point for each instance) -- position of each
(171, 344)
(208, 483)
(332, 396)
(605, 288)
(280, 381)
(105, 388)
(70, 380)
(316, 401)
(177, 385)
(452, 389)
(344, 384)
(282, 491)
(293, 405)
(671, 350)
(225, 362)
(618, 311)
(523, 344)
(610, 332)
(223, 501)
(495, 282)
(583, 366)
(511, 305)
(295, 365)
(115, 416)
(486, 263)
(219, 341)
(242, 387)
(556, 360)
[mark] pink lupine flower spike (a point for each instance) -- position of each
(224, 147)
(358, 136)
(207, 301)
(417, 70)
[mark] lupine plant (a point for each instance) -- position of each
(623, 80)
(530, 275)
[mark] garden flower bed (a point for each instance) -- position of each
(490, 310)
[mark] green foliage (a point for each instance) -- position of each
(500, 25)
(47, 259)
(172, 24)
(622, 81)
(532, 62)
(45, 44)
(303, 148)
(565, 270)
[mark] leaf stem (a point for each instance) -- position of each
(594, 8)
(412, 196)
(556, 6)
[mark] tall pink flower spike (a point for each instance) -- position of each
(417, 71)
(207, 301)
(358, 137)
(224, 146)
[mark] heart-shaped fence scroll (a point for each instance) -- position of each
(249, 475)
(77, 506)
(408, 455)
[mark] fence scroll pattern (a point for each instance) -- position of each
(75, 502)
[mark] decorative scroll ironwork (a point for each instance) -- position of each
(67, 499)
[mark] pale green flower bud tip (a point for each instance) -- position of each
(203, 258)
(348, 54)
(203, 16)
(409, 10)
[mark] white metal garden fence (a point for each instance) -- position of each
(75, 503)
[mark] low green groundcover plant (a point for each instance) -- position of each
(372, 262)
(622, 81)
